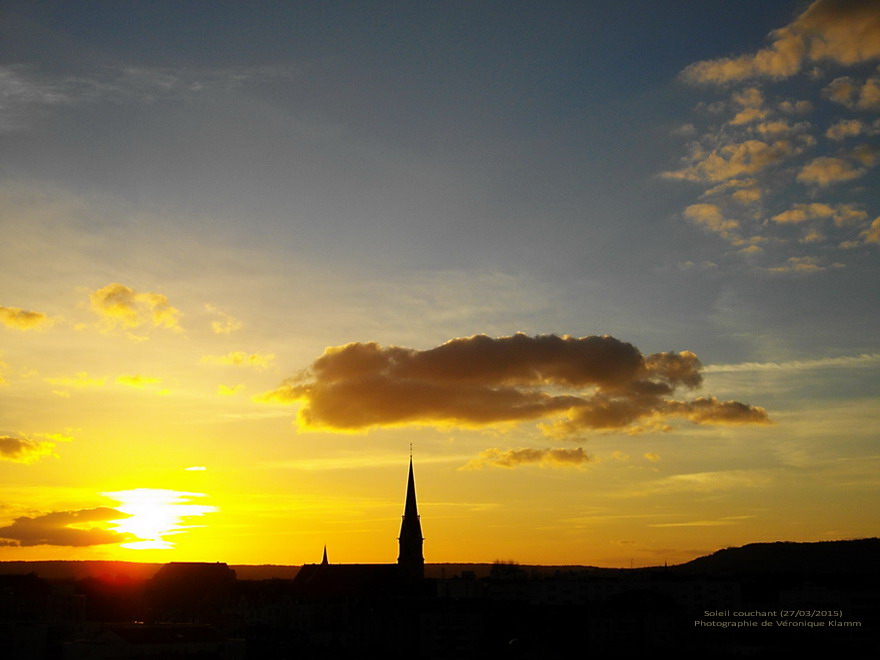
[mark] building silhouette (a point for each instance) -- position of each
(347, 607)
(330, 579)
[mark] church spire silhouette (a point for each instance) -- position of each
(411, 561)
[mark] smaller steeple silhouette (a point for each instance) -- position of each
(324, 561)
(411, 561)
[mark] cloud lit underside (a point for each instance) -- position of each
(787, 181)
(64, 528)
(570, 385)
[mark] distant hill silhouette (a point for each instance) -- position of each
(856, 556)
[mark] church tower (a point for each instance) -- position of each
(411, 561)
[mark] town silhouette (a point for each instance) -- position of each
(761, 600)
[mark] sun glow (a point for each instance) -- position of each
(155, 514)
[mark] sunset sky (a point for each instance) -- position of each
(610, 268)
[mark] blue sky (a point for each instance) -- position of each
(683, 176)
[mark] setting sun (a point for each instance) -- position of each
(154, 514)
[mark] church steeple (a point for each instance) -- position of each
(411, 560)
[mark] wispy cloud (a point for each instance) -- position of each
(240, 359)
(511, 458)
(226, 325)
(27, 93)
(719, 522)
(863, 360)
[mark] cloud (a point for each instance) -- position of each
(65, 528)
(854, 95)
(229, 390)
(24, 450)
(827, 170)
(872, 233)
(511, 458)
(802, 265)
(841, 214)
(710, 217)
(845, 128)
(865, 359)
(26, 94)
(122, 306)
(227, 323)
(22, 319)
(733, 159)
(138, 381)
(751, 149)
(842, 31)
(240, 359)
(571, 384)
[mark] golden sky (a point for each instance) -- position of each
(611, 272)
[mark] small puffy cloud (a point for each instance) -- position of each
(843, 31)
(842, 214)
(66, 528)
(122, 306)
(751, 249)
(24, 450)
(511, 458)
(229, 390)
(866, 154)
(240, 359)
(651, 456)
(828, 170)
(138, 381)
(22, 319)
(748, 116)
(853, 94)
(872, 233)
(845, 128)
(731, 160)
(747, 195)
(801, 265)
(570, 384)
(226, 325)
(710, 217)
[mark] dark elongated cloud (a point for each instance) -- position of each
(24, 450)
(57, 528)
(22, 319)
(511, 458)
(571, 384)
